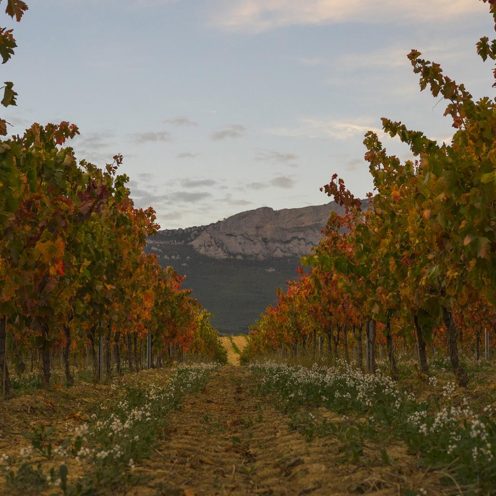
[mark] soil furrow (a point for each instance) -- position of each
(227, 440)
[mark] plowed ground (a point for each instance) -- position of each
(228, 440)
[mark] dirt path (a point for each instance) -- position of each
(230, 343)
(229, 441)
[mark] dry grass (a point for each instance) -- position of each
(234, 346)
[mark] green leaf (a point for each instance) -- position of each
(32, 178)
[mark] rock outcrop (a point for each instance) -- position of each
(259, 234)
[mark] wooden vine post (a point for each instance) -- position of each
(149, 362)
(3, 357)
(371, 332)
(100, 358)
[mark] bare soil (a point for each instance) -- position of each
(59, 408)
(227, 440)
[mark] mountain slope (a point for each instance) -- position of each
(234, 266)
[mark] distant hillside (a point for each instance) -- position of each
(234, 266)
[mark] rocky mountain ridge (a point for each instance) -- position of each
(260, 234)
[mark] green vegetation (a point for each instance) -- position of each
(235, 291)
(235, 346)
(444, 428)
(119, 434)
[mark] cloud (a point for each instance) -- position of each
(95, 141)
(95, 147)
(171, 216)
(233, 131)
(181, 121)
(355, 164)
(274, 156)
(282, 182)
(256, 185)
(188, 196)
(254, 16)
(389, 57)
(144, 198)
(349, 63)
(187, 155)
(327, 128)
(196, 183)
(239, 202)
(152, 137)
(313, 61)
(146, 176)
(392, 57)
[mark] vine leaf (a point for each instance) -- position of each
(9, 95)
(16, 9)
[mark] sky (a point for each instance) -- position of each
(221, 106)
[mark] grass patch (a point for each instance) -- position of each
(234, 346)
